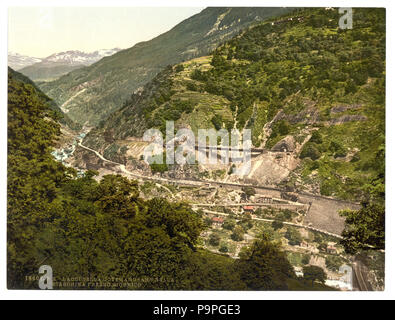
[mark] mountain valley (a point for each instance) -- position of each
(93, 93)
(313, 202)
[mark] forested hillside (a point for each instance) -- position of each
(57, 112)
(92, 93)
(103, 230)
(299, 75)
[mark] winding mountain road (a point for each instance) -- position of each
(322, 215)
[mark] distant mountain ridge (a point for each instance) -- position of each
(18, 61)
(77, 57)
(57, 64)
(91, 94)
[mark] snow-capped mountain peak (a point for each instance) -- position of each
(18, 61)
(72, 58)
(76, 57)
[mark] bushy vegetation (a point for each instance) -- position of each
(294, 237)
(365, 228)
(311, 151)
(334, 263)
(314, 274)
(159, 167)
(264, 260)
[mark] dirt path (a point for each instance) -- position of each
(285, 223)
(63, 106)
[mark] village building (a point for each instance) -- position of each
(331, 249)
(217, 222)
(248, 209)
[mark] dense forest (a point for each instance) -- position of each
(103, 230)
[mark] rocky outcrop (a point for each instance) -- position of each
(343, 108)
(285, 145)
(308, 115)
(347, 118)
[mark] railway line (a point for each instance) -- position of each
(334, 227)
(360, 281)
(213, 182)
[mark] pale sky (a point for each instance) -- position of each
(40, 32)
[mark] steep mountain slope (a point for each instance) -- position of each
(77, 224)
(58, 114)
(58, 64)
(18, 61)
(301, 84)
(92, 93)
